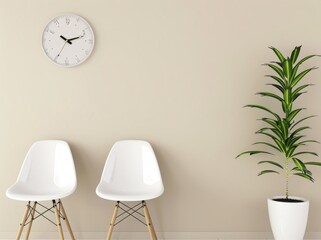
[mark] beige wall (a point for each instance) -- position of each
(175, 73)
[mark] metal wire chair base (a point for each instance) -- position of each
(32, 214)
(128, 211)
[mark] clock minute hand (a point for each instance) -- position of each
(71, 39)
(65, 39)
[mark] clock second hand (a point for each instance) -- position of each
(61, 49)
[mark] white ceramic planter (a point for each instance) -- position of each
(288, 220)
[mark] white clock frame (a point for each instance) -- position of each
(68, 40)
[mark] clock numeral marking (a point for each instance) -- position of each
(52, 32)
(78, 19)
(90, 41)
(66, 61)
(56, 22)
(67, 20)
(77, 59)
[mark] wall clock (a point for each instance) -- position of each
(68, 40)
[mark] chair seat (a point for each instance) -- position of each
(116, 193)
(24, 192)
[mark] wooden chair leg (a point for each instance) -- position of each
(31, 220)
(149, 223)
(112, 223)
(66, 220)
(23, 222)
(61, 235)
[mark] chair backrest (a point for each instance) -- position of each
(132, 165)
(49, 163)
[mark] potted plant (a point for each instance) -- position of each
(284, 141)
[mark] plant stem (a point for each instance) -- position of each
(287, 178)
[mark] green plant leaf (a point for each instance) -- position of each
(287, 95)
(306, 176)
(277, 70)
(285, 129)
(277, 63)
(277, 86)
(290, 150)
(300, 165)
(292, 140)
(287, 68)
(272, 162)
(293, 114)
(295, 53)
(294, 72)
(264, 129)
(278, 54)
(273, 123)
(296, 67)
(286, 107)
(267, 134)
(279, 80)
(307, 141)
(306, 58)
(279, 135)
(253, 153)
(301, 120)
(272, 95)
(297, 95)
(265, 109)
(267, 144)
(298, 170)
(297, 90)
(280, 145)
(299, 130)
(267, 171)
(313, 163)
(300, 153)
(300, 76)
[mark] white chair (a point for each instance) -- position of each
(47, 173)
(131, 173)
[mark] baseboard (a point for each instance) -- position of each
(161, 235)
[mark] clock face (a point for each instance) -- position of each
(68, 40)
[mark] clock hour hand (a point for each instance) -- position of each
(65, 39)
